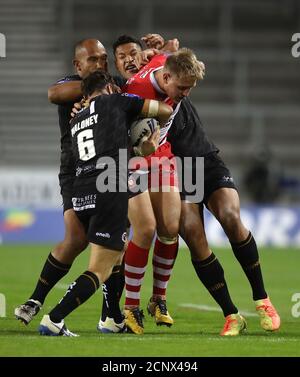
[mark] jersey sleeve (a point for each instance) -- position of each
(68, 79)
(130, 104)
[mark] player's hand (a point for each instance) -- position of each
(146, 55)
(172, 45)
(76, 108)
(153, 41)
(116, 89)
(149, 143)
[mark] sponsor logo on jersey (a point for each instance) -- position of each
(130, 95)
(124, 237)
(103, 235)
(227, 179)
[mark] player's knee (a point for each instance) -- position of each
(229, 217)
(147, 230)
(170, 229)
(190, 230)
(76, 244)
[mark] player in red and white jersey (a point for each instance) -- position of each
(169, 78)
(144, 83)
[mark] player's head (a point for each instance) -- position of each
(89, 56)
(180, 74)
(97, 83)
(127, 52)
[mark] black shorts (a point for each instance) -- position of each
(66, 182)
(216, 175)
(103, 215)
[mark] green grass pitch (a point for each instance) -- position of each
(197, 321)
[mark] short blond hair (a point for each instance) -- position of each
(184, 63)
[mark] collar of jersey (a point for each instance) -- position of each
(154, 82)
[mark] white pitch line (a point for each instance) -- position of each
(62, 286)
(208, 308)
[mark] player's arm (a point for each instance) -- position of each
(147, 55)
(156, 109)
(157, 41)
(66, 91)
(147, 108)
(153, 109)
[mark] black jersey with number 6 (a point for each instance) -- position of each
(101, 130)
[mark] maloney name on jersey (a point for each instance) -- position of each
(90, 121)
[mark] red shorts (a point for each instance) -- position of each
(162, 173)
(162, 168)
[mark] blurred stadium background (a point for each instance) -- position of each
(249, 101)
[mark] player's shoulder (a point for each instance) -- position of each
(186, 102)
(115, 99)
(122, 97)
(111, 100)
(161, 58)
(155, 62)
(107, 98)
(128, 95)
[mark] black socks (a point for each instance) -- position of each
(112, 292)
(247, 255)
(211, 274)
(52, 272)
(79, 291)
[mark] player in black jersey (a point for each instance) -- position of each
(89, 56)
(188, 139)
(99, 133)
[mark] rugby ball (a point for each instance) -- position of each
(141, 128)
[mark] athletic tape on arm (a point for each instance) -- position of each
(153, 108)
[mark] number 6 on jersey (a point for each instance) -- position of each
(86, 147)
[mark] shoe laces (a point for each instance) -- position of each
(31, 306)
(269, 309)
(30, 303)
(138, 316)
(162, 305)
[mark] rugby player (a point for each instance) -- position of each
(169, 78)
(89, 56)
(188, 139)
(101, 131)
